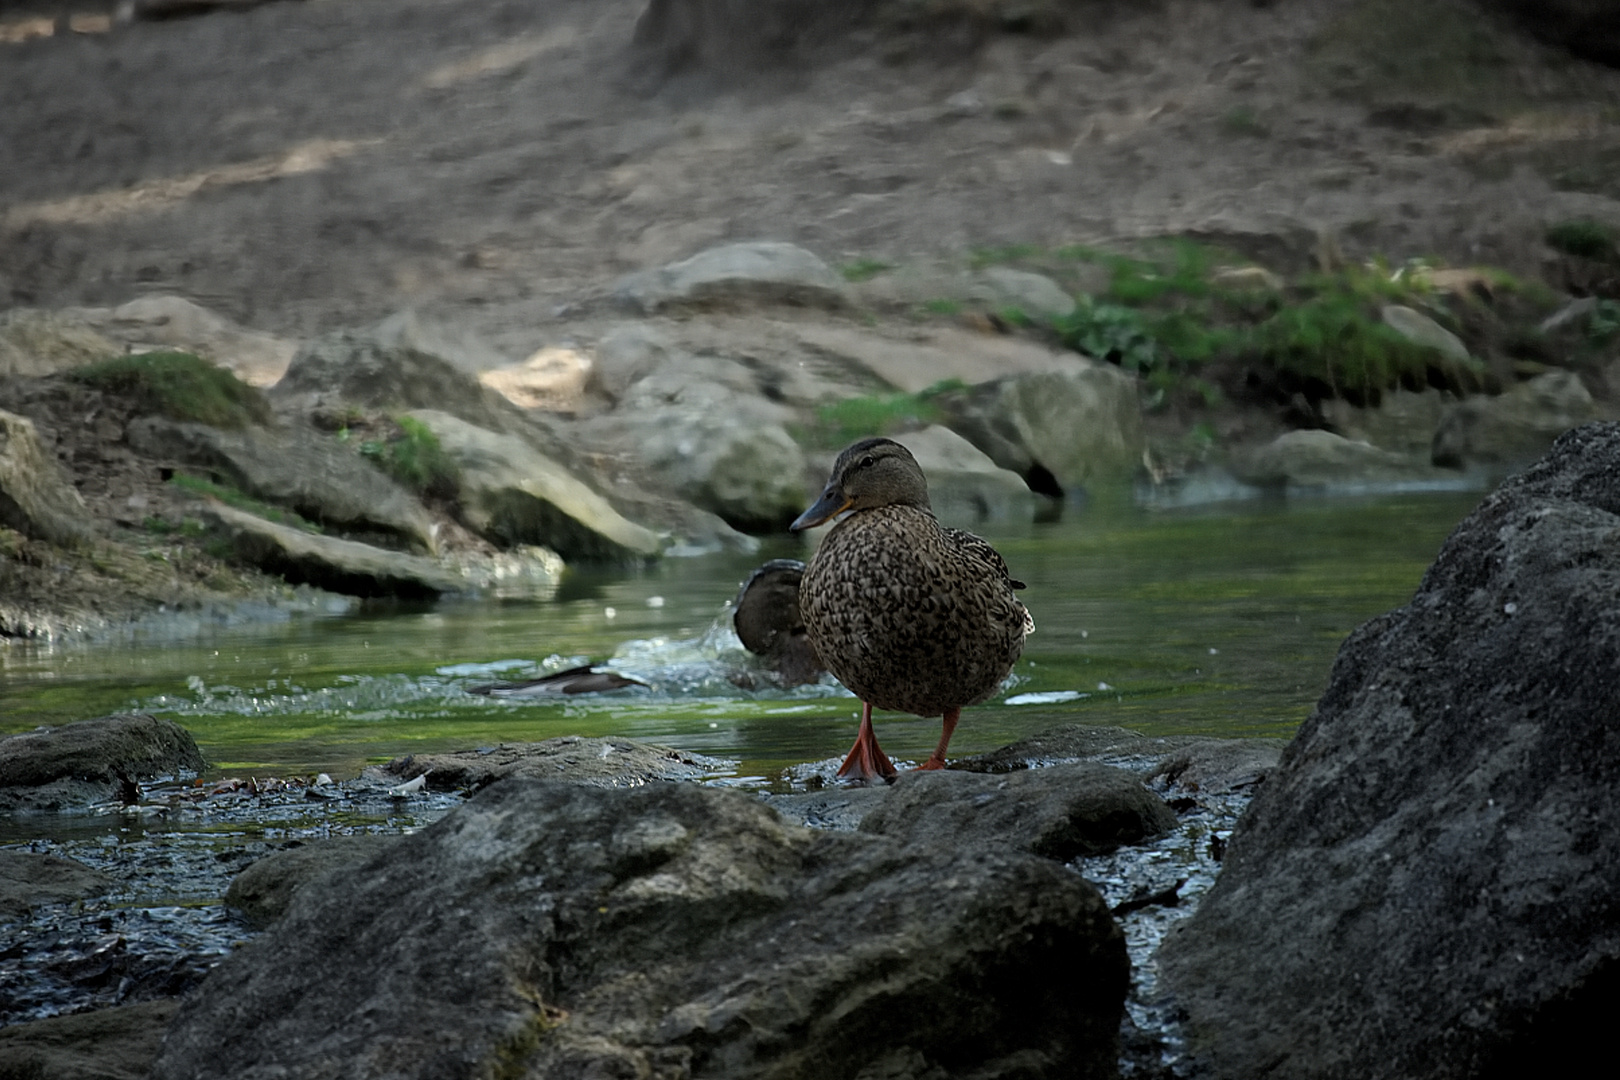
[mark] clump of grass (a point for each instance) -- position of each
(943, 306)
(1584, 238)
(411, 454)
(839, 423)
(180, 386)
(1168, 316)
(230, 496)
(863, 270)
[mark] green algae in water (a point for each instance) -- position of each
(1216, 621)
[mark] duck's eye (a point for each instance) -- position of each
(868, 461)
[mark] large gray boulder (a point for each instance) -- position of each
(966, 488)
(1321, 460)
(1061, 431)
(262, 892)
(511, 493)
(29, 877)
(304, 470)
(695, 431)
(548, 929)
(1511, 429)
(399, 364)
(35, 342)
(1061, 813)
(759, 272)
(326, 562)
(614, 763)
(102, 1044)
(90, 761)
(36, 496)
(1425, 886)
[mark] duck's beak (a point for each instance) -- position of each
(833, 502)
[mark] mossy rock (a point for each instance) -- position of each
(180, 386)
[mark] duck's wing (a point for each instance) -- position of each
(991, 567)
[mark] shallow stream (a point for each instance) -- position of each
(1218, 621)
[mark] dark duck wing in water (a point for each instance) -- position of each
(908, 614)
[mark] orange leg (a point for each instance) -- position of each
(937, 759)
(866, 760)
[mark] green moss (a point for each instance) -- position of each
(943, 307)
(180, 386)
(839, 423)
(411, 454)
(863, 269)
(197, 485)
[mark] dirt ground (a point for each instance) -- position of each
(304, 166)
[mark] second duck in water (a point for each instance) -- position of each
(910, 615)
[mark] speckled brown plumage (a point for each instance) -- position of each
(910, 615)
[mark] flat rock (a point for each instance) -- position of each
(1143, 755)
(965, 487)
(342, 566)
(28, 878)
(671, 930)
(1061, 812)
(763, 272)
(263, 890)
(103, 1044)
(307, 471)
(36, 496)
(1325, 461)
(88, 761)
(614, 763)
(935, 357)
(512, 493)
(1425, 885)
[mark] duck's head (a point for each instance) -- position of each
(872, 473)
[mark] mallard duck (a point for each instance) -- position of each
(908, 614)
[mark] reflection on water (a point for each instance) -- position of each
(1218, 621)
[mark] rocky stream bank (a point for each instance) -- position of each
(1436, 831)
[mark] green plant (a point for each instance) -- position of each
(412, 455)
(178, 385)
(839, 423)
(863, 269)
(1109, 332)
(1604, 324)
(1584, 238)
(942, 307)
(230, 496)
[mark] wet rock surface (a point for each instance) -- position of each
(615, 763)
(28, 878)
(1060, 813)
(669, 927)
(308, 471)
(106, 1044)
(1424, 886)
(327, 562)
(91, 761)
